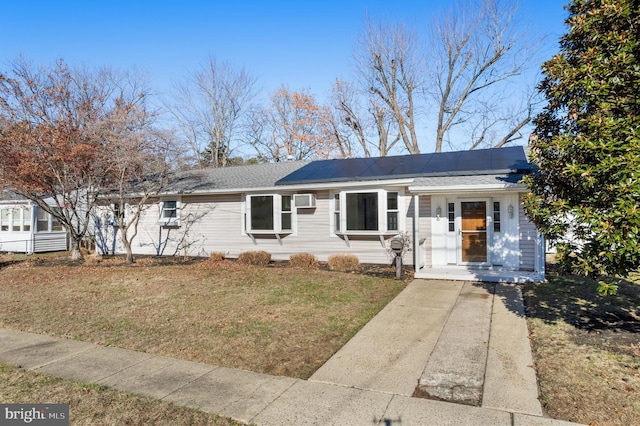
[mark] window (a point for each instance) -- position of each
(118, 214)
(272, 213)
(4, 220)
(451, 214)
(286, 212)
(55, 224)
(375, 211)
(336, 212)
(26, 219)
(170, 214)
(362, 211)
(169, 210)
(392, 211)
(17, 221)
(262, 212)
(42, 221)
(496, 216)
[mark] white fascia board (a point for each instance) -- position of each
(467, 188)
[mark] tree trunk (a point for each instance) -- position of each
(76, 254)
(127, 247)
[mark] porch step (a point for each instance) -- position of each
(455, 370)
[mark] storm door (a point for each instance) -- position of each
(473, 232)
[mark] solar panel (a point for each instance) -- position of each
(482, 161)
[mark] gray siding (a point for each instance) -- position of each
(49, 241)
(214, 223)
(528, 235)
(425, 228)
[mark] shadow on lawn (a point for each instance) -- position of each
(612, 321)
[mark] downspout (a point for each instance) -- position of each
(416, 232)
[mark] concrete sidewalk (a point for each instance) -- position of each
(369, 381)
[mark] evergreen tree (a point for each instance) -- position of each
(587, 142)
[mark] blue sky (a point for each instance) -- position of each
(300, 44)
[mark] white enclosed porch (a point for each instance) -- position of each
(474, 231)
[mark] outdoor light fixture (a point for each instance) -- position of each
(510, 210)
(438, 213)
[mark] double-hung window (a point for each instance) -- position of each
(367, 211)
(170, 215)
(269, 213)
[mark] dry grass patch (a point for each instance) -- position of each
(586, 349)
(98, 405)
(281, 321)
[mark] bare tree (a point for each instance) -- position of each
(477, 47)
(390, 68)
(138, 168)
(209, 107)
(360, 123)
(293, 127)
(52, 144)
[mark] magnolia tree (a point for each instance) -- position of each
(587, 145)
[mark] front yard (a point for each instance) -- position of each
(586, 349)
(276, 320)
(286, 321)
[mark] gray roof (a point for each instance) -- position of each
(230, 178)
(479, 167)
(495, 179)
(8, 195)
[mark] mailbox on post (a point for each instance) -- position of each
(397, 247)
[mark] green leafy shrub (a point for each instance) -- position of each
(344, 262)
(303, 260)
(256, 258)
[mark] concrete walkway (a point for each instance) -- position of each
(370, 381)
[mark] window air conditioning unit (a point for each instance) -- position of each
(302, 201)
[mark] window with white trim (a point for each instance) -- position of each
(392, 211)
(119, 214)
(4, 219)
(170, 213)
(45, 222)
(42, 224)
(336, 212)
(55, 223)
(269, 213)
(366, 211)
(26, 219)
(496, 216)
(15, 219)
